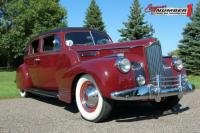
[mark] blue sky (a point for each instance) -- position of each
(168, 29)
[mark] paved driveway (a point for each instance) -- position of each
(41, 115)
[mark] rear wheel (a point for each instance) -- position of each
(167, 103)
(91, 104)
(24, 94)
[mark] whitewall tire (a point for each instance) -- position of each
(91, 105)
(23, 93)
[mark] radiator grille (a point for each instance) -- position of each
(154, 60)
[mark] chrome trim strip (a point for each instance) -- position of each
(167, 81)
(92, 38)
(99, 49)
(87, 54)
(167, 86)
(180, 95)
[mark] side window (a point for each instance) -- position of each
(34, 47)
(51, 43)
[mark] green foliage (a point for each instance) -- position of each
(22, 19)
(189, 46)
(136, 27)
(174, 53)
(93, 18)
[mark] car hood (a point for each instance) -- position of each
(114, 46)
(133, 50)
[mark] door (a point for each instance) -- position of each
(32, 61)
(51, 50)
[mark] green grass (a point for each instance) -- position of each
(7, 85)
(195, 80)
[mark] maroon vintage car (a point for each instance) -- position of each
(84, 65)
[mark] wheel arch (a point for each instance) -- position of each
(74, 84)
(23, 79)
(94, 68)
(106, 75)
(78, 76)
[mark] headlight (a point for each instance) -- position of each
(178, 65)
(123, 65)
(141, 80)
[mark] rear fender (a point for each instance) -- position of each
(23, 79)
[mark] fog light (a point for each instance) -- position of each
(141, 80)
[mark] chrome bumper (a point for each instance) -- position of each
(153, 92)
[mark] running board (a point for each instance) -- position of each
(43, 93)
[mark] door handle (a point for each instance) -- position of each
(37, 60)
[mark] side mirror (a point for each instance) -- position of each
(69, 42)
(56, 42)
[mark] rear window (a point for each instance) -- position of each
(33, 47)
(79, 38)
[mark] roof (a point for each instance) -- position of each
(64, 29)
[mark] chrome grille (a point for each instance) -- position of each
(154, 59)
(168, 82)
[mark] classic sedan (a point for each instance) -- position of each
(84, 65)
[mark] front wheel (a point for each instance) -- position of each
(92, 106)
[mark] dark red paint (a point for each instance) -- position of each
(59, 71)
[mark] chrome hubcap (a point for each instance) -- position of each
(89, 97)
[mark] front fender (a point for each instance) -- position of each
(169, 61)
(104, 72)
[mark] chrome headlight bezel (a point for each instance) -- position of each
(178, 64)
(123, 65)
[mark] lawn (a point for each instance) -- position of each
(195, 80)
(8, 87)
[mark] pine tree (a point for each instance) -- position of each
(93, 18)
(136, 27)
(189, 46)
(174, 53)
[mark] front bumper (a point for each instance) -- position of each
(154, 92)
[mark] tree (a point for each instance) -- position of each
(174, 53)
(136, 27)
(23, 19)
(93, 18)
(189, 46)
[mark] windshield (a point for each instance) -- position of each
(87, 38)
(100, 38)
(79, 38)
